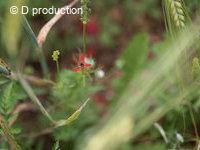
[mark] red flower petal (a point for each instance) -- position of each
(82, 58)
(87, 65)
(77, 69)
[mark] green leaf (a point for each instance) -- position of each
(69, 89)
(7, 91)
(31, 35)
(3, 81)
(133, 58)
(6, 102)
(15, 130)
(10, 93)
(73, 117)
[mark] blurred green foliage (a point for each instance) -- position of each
(70, 89)
(68, 93)
(132, 60)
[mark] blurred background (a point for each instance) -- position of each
(123, 39)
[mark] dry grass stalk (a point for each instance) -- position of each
(47, 27)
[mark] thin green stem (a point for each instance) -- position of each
(84, 49)
(183, 116)
(83, 78)
(193, 121)
(58, 69)
(73, 117)
(43, 63)
(33, 97)
(84, 38)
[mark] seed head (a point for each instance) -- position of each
(55, 55)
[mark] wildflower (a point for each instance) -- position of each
(92, 27)
(89, 61)
(55, 55)
(86, 11)
(83, 64)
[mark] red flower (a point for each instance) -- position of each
(82, 65)
(92, 28)
(90, 52)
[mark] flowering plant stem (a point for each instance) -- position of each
(44, 65)
(33, 97)
(84, 48)
(58, 69)
(62, 122)
(84, 38)
(83, 79)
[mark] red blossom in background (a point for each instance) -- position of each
(92, 27)
(82, 65)
(90, 52)
(101, 101)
